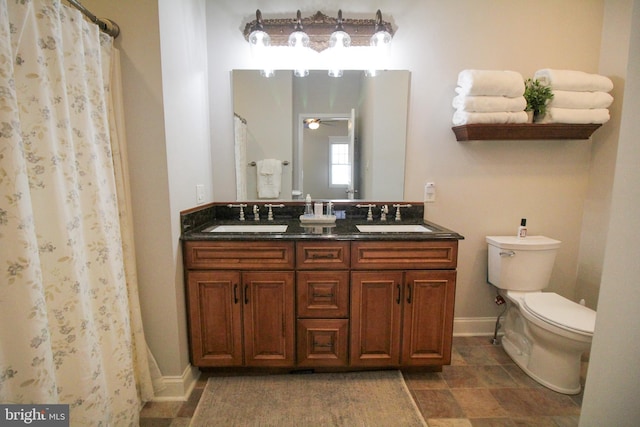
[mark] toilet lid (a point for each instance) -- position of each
(561, 312)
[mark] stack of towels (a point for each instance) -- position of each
(578, 97)
(489, 96)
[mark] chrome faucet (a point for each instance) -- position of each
(369, 213)
(270, 213)
(241, 206)
(398, 206)
(383, 212)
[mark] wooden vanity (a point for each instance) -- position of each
(337, 301)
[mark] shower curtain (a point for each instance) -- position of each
(70, 323)
(240, 132)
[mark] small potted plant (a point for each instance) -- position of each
(537, 97)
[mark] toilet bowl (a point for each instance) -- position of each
(544, 333)
(542, 344)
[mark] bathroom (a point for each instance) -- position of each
(176, 62)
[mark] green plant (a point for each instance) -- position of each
(537, 96)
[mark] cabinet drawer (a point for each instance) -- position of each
(262, 255)
(322, 342)
(322, 255)
(404, 255)
(322, 294)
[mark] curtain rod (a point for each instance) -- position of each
(106, 25)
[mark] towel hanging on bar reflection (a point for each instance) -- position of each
(269, 178)
(284, 163)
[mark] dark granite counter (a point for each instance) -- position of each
(195, 221)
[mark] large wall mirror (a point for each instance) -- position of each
(333, 138)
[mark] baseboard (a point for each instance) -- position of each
(467, 326)
(178, 388)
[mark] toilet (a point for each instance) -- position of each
(544, 333)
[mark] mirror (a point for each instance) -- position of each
(357, 150)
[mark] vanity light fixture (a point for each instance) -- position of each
(320, 32)
(259, 40)
(299, 40)
(338, 42)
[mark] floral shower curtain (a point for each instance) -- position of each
(70, 323)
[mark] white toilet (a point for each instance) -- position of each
(544, 333)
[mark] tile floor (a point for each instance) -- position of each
(482, 387)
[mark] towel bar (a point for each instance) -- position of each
(284, 162)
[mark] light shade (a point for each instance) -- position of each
(299, 40)
(382, 36)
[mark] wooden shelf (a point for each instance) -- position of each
(517, 131)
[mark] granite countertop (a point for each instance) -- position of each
(195, 221)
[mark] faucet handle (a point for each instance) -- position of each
(369, 213)
(270, 213)
(241, 206)
(398, 206)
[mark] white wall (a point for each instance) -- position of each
(613, 380)
(166, 106)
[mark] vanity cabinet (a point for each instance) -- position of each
(241, 303)
(402, 300)
(320, 303)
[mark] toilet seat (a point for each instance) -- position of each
(561, 312)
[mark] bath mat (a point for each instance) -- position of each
(376, 398)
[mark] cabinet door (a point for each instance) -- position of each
(376, 304)
(215, 318)
(269, 316)
(428, 317)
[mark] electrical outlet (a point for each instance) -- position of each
(430, 192)
(199, 193)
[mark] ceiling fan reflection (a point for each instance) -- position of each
(313, 123)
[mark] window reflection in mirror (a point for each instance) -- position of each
(363, 118)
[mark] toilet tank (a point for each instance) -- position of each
(521, 264)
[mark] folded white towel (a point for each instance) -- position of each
(489, 104)
(570, 99)
(269, 179)
(576, 116)
(463, 117)
(573, 80)
(491, 82)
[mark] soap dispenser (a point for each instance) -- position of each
(308, 208)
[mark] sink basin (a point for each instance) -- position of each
(246, 228)
(393, 228)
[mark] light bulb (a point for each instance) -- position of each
(339, 39)
(259, 39)
(381, 39)
(298, 39)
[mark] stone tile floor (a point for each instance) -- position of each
(482, 387)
